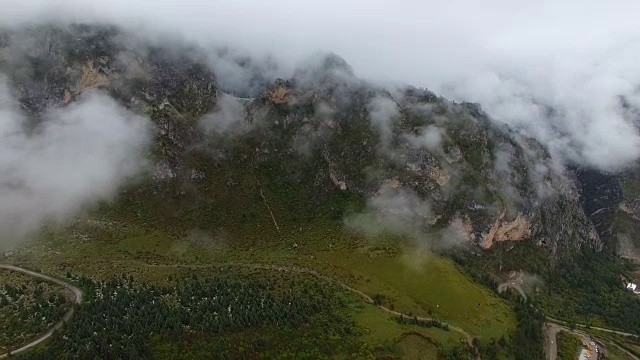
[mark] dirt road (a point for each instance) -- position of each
(552, 341)
(563, 323)
(76, 298)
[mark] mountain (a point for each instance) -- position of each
(323, 144)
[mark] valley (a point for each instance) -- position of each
(378, 323)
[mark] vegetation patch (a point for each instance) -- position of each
(381, 330)
(28, 308)
(195, 315)
(417, 347)
(586, 290)
(569, 346)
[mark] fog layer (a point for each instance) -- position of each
(79, 154)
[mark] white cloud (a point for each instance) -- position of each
(517, 58)
(77, 155)
(382, 112)
(429, 138)
(393, 211)
(228, 114)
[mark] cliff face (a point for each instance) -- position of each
(323, 135)
(623, 219)
(601, 199)
(611, 201)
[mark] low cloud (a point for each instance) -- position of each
(228, 115)
(393, 211)
(312, 132)
(569, 80)
(522, 282)
(243, 74)
(402, 212)
(505, 172)
(429, 138)
(382, 113)
(584, 114)
(455, 234)
(75, 156)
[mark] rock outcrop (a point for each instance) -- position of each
(502, 230)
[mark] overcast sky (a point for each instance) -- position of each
(422, 42)
(512, 56)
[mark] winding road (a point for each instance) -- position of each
(75, 292)
(367, 298)
(552, 333)
(564, 323)
(554, 326)
(302, 270)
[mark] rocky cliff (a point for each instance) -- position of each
(327, 143)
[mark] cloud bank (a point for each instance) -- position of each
(401, 212)
(80, 154)
(563, 72)
(393, 211)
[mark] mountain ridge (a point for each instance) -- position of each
(404, 159)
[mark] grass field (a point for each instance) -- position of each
(426, 285)
(15, 279)
(382, 327)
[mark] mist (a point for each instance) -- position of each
(78, 155)
(382, 112)
(394, 211)
(226, 117)
(563, 72)
(429, 138)
(398, 211)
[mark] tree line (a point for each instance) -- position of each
(123, 319)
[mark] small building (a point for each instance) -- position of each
(632, 287)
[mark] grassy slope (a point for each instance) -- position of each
(415, 283)
(613, 353)
(15, 279)
(427, 284)
(232, 224)
(385, 335)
